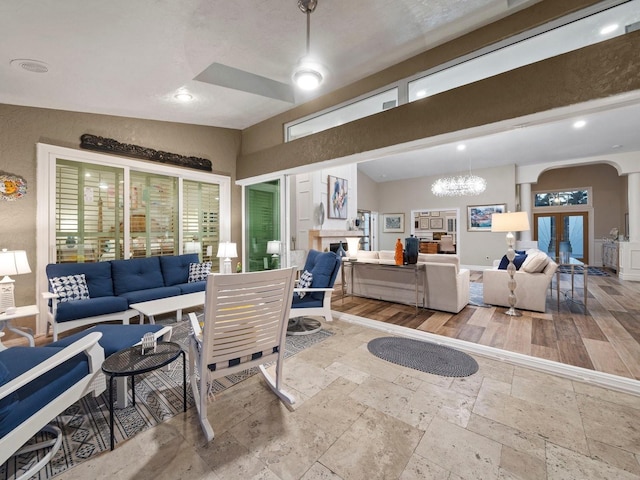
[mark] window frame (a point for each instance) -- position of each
(47, 156)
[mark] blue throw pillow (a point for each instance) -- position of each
(517, 261)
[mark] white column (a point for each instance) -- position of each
(525, 206)
(634, 206)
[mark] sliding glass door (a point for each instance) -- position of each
(263, 226)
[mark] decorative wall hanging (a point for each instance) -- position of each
(479, 216)
(93, 142)
(393, 222)
(338, 196)
(12, 187)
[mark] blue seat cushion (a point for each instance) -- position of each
(97, 275)
(193, 287)
(41, 391)
(150, 294)
(175, 269)
(324, 273)
(114, 337)
(90, 307)
(305, 302)
(136, 274)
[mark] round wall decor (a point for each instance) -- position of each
(12, 187)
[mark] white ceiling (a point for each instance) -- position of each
(129, 58)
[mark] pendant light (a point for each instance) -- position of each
(307, 74)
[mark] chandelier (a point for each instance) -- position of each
(459, 186)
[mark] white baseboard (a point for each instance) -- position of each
(605, 380)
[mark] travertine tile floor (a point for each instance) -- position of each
(359, 417)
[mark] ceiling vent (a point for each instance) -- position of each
(33, 66)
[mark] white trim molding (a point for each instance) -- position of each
(605, 380)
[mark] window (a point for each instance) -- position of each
(562, 198)
(594, 24)
(200, 219)
(89, 211)
(90, 214)
(374, 103)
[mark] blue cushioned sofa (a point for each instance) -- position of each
(116, 284)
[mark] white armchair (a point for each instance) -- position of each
(447, 287)
(531, 288)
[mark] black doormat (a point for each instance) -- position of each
(423, 356)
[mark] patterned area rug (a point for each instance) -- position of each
(580, 270)
(85, 424)
(476, 295)
(424, 356)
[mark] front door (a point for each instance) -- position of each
(563, 235)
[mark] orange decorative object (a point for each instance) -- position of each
(399, 255)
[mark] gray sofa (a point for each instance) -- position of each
(113, 286)
(442, 285)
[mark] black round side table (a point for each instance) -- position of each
(131, 362)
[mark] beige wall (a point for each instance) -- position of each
(599, 71)
(402, 196)
(609, 192)
(269, 133)
(22, 127)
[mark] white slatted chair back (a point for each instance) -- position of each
(245, 323)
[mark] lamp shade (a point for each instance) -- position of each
(273, 247)
(353, 244)
(227, 250)
(510, 222)
(13, 262)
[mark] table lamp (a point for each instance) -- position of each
(11, 263)
(510, 222)
(227, 250)
(273, 247)
(353, 244)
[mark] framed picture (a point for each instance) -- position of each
(425, 214)
(338, 197)
(424, 223)
(436, 223)
(435, 214)
(393, 222)
(479, 216)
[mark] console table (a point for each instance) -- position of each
(418, 269)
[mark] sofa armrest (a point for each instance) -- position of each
(88, 344)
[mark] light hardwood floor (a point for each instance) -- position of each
(605, 337)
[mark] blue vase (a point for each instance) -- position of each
(411, 248)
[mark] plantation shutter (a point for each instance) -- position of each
(153, 214)
(200, 219)
(88, 212)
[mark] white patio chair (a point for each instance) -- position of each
(245, 325)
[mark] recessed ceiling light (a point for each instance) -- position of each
(579, 124)
(421, 93)
(33, 66)
(461, 147)
(616, 146)
(609, 29)
(183, 97)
